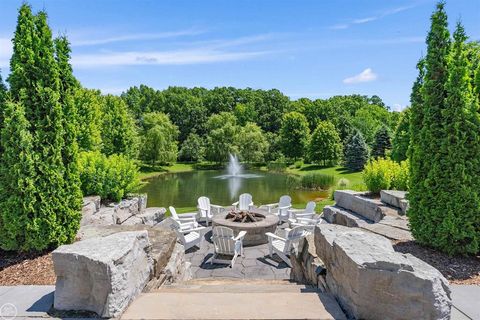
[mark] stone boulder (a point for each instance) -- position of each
(359, 203)
(372, 281)
(102, 274)
(150, 216)
(129, 207)
(307, 267)
(395, 198)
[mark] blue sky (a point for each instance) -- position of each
(312, 49)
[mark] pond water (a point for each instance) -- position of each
(183, 189)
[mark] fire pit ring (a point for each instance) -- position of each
(255, 230)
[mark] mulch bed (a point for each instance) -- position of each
(457, 269)
(26, 269)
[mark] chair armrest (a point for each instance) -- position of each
(186, 219)
(235, 204)
(271, 205)
(217, 206)
(240, 235)
(188, 215)
(299, 215)
(274, 236)
(286, 207)
(200, 229)
(296, 211)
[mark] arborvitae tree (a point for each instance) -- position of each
(428, 103)
(325, 145)
(477, 83)
(17, 190)
(401, 137)
(68, 85)
(451, 221)
(35, 83)
(294, 135)
(356, 152)
(382, 143)
(119, 134)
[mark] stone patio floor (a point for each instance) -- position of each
(256, 264)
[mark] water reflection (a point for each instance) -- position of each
(183, 189)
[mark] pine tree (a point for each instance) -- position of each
(17, 190)
(382, 143)
(356, 152)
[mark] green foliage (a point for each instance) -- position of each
(89, 113)
(245, 112)
(252, 144)
(222, 136)
(41, 82)
(17, 181)
(325, 145)
(401, 137)
(382, 143)
(355, 152)
(193, 148)
(112, 177)
(294, 135)
(119, 135)
(369, 119)
(444, 181)
(279, 165)
(159, 139)
(317, 181)
(385, 174)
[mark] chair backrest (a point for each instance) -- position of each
(223, 242)
(244, 201)
(293, 236)
(173, 212)
(176, 227)
(285, 201)
(310, 208)
(204, 206)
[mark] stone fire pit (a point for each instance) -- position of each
(264, 222)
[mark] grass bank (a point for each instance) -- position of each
(149, 171)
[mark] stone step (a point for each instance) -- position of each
(231, 305)
(395, 198)
(237, 288)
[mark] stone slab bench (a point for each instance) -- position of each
(395, 198)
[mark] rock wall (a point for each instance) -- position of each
(307, 267)
(372, 281)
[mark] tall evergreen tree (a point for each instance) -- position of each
(17, 190)
(356, 152)
(35, 84)
(382, 143)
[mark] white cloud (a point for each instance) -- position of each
(380, 15)
(132, 37)
(398, 107)
(5, 52)
(366, 75)
(178, 57)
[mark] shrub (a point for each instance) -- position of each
(343, 183)
(298, 164)
(383, 174)
(317, 181)
(279, 165)
(111, 177)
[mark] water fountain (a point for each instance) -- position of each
(234, 167)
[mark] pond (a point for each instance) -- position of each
(183, 189)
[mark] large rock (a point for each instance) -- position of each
(372, 281)
(103, 217)
(153, 215)
(102, 274)
(307, 267)
(395, 198)
(359, 203)
(129, 207)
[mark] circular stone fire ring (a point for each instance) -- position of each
(255, 230)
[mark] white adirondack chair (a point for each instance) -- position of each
(310, 223)
(189, 236)
(308, 212)
(244, 202)
(282, 245)
(205, 209)
(282, 207)
(226, 244)
(185, 220)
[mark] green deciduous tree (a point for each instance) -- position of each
(159, 139)
(252, 143)
(355, 152)
(401, 137)
(119, 134)
(222, 136)
(193, 148)
(382, 143)
(325, 145)
(89, 113)
(294, 135)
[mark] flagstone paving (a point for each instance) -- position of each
(255, 264)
